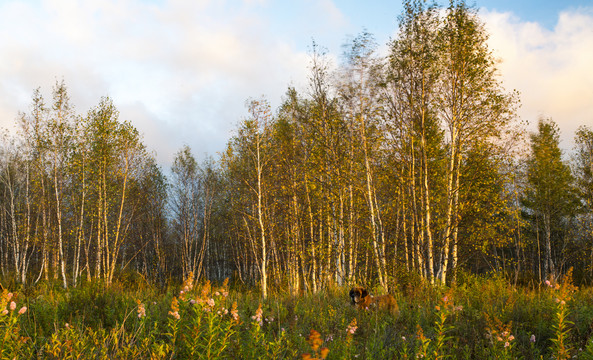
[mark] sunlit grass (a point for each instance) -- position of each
(481, 317)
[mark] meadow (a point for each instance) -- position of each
(482, 317)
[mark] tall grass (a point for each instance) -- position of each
(480, 318)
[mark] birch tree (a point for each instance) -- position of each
(474, 107)
(359, 92)
(247, 162)
(414, 73)
(550, 195)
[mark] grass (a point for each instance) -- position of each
(480, 318)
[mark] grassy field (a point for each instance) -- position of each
(481, 318)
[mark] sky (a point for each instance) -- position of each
(181, 71)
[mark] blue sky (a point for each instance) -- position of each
(182, 70)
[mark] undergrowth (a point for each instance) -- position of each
(480, 318)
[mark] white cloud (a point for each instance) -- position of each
(551, 68)
(179, 70)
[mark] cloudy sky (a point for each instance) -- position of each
(181, 70)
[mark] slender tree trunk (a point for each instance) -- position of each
(260, 219)
(60, 236)
(549, 269)
(426, 192)
(452, 191)
(352, 246)
(312, 235)
(371, 204)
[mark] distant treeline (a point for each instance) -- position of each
(385, 167)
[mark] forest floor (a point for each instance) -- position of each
(480, 318)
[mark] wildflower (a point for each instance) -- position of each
(67, 326)
(8, 296)
(206, 289)
(235, 312)
(211, 302)
(403, 338)
(192, 301)
(329, 338)
(22, 310)
(458, 308)
(258, 316)
(217, 293)
(188, 283)
(174, 308)
(506, 344)
(175, 314)
(12, 306)
(314, 340)
(4, 312)
(532, 339)
(141, 310)
(225, 293)
(511, 338)
(548, 283)
(351, 329)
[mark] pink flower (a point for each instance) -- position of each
(175, 314)
(548, 283)
(211, 302)
(4, 312)
(12, 306)
(511, 338)
(532, 339)
(235, 314)
(22, 310)
(506, 344)
(141, 311)
(351, 329)
(8, 296)
(258, 316)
